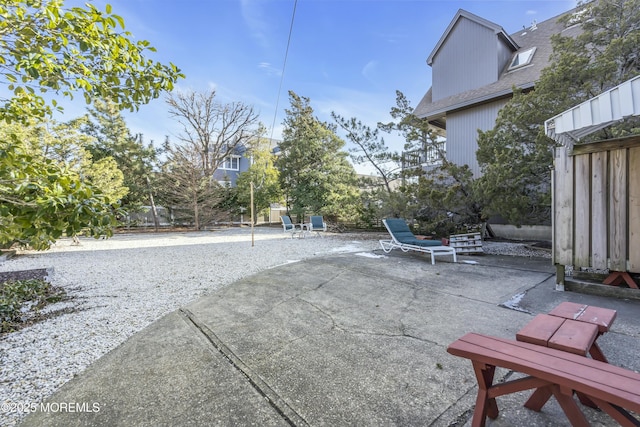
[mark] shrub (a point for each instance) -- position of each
(21, 296)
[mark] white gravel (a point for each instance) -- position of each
(122, 284)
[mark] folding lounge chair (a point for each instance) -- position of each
(317, 224)
(403, 239)
(290, 227)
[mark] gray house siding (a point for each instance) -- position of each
(472, 80)
(232, 175)
(462, 132)
(505, 54)
(466, 60)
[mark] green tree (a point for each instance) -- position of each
(516, 155)
(315, 176)
(443, 196)
(369, 148)
(108, 178)
(42, 199)
(112, 139)
(66, 144)
(186, 190)
(46, 49)
(60, 150)
(264, 176)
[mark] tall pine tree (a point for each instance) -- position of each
(315, 176)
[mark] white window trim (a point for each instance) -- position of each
(524, 58)
(231, 159)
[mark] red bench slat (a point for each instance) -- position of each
(591, 377)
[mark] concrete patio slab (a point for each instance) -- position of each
(341, 340)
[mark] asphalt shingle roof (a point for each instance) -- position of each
(524, 77)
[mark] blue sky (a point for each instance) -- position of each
(347, 56)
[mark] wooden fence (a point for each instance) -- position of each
(596, 217)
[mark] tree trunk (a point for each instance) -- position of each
(154, 210)
(196, 219)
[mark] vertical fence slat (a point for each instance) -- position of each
(582, 248)
(562, 207)
(599, 210)
(634, 210)
(618, 210)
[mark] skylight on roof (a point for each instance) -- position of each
(522, 58)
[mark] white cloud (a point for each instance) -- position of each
(254, 18)
(270, 69)
(369, 70)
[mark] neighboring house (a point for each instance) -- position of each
(237, 162)
(232, 166)
(475, 65)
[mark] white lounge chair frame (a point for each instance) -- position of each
(319, 225)
(434, 251)
(289, 227)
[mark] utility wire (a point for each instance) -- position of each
(284, 65)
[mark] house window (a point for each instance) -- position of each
(522, 58)
(231, 163)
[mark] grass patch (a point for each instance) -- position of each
(22, 300)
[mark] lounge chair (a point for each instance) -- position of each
(290, 227)
(317, 224)
(403, 239)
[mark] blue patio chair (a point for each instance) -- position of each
(317, 224)
(403, 238)
(290, 227)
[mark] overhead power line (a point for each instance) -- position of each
(284, 65)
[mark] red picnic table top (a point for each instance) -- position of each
(570, 327)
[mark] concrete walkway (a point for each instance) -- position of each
(345, 340)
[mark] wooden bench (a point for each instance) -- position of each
(552, 372)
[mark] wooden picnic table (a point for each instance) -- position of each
(569, 327)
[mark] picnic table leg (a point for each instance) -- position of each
(586, 401)
(485, 406)
(617, 413)
(597, 354)
(618, 277)
(564, 397)
(539, 398)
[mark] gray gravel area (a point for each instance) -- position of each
(121, 285)
(514, 249)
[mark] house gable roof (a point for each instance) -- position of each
(538, 36)
(498, 30)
